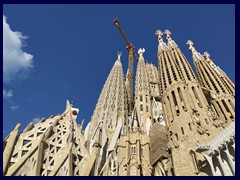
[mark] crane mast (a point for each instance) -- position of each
(131, 55)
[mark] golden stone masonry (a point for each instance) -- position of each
(174, 124)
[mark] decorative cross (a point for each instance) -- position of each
(207, 55)
(141, 51)
(159, 33)
(119, 53)
(167, 32)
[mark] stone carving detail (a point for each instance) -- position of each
(218, 123)
(163, 167)
(173, 144)
(200, 128)
(211, 113)
(59, 146)
(113, 164)
(195, 116)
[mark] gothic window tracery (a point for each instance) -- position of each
(133, 149)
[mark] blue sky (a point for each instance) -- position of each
(67, 51)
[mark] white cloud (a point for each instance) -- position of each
(16, 62)
(14, 107)
(35, 120)
(7, 94)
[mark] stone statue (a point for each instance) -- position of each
(212, 113)
(195, 116)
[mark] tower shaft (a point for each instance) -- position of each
(184, 104)
(220, 89)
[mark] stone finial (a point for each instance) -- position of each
(207, 55)
(119, 53)
(141, 51)
(190, 44)
(167, 32)
(159, 33)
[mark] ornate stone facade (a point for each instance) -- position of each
(177, 125)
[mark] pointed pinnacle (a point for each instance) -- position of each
(141, 51)
(119, 53)
(207, 55)
(159, 33)
(167, 32)
(190, 44)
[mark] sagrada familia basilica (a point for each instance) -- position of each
(174, 124)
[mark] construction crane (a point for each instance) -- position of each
(131, 55)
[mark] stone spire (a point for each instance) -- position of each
(221, 90)
(112, 101)
(153, 78)
(211, 76)
(142, 91)
(173, 65)
(183, 102)
(216, 68)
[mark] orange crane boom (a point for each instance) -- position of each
(129, 45)
(132, 54)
